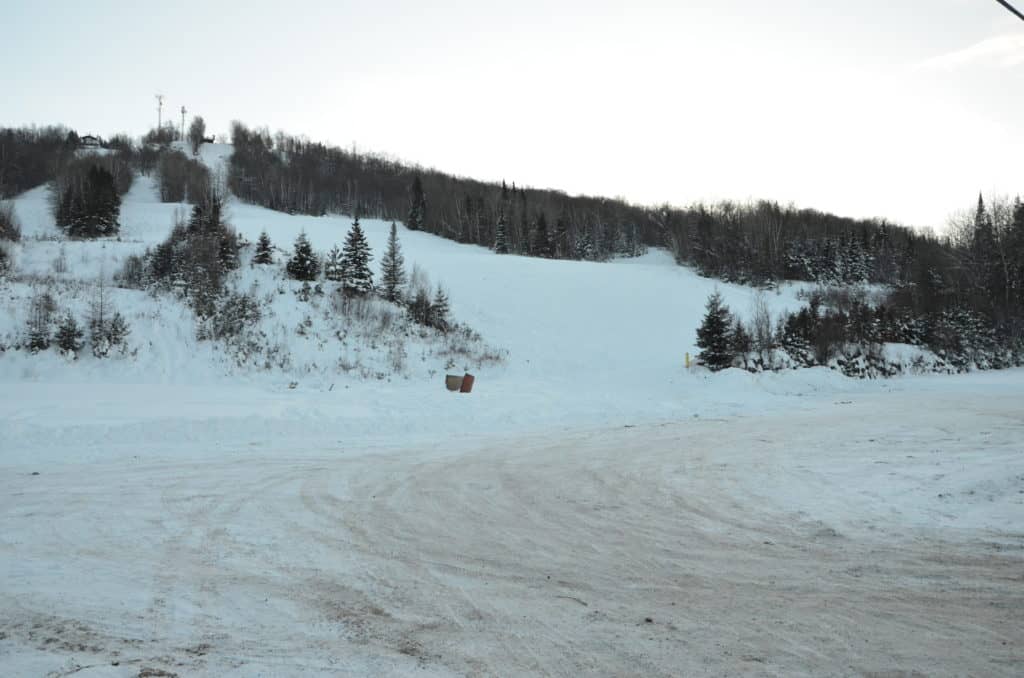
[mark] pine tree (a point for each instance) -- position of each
(541, 241)
(333, 269)
(303, 265)
(39, 325)
(264, 250)
(561, 234)
(1016, 238)
(741, 341)
(523, 243)
(608, 244)
(392, 267)
(99, 320)
(90, 204)
(983, 238)
(585, 246)
(118, 331)
(357, 278)
(501, 234)
(714, 336)
(984, 249)
(228, 248)
(69, 337)
(439, 310)
(107, 328)
(418, 208)
(98, 330)
(10, 226)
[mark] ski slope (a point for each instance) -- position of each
(587, 343)
(592, 508)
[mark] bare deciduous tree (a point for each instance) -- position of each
(196, 132)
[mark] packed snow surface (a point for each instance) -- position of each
(592, 508)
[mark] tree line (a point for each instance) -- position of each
(31, 156)
(962, 298)
(294, 175)
(945, 287)
(350, 267)
(936, 283)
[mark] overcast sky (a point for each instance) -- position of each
(870, 108)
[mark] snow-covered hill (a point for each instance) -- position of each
(582, 342)
(580, 339)
(592, 507)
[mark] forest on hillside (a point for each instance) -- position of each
(950, 292)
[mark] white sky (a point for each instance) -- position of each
(897, 109)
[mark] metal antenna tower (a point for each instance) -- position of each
(159, 110)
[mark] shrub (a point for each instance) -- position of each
(10, 227)
(234, 313)
(69, 337)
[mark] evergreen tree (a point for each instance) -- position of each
(607, 245)
(107, 328)
(228, 248)
(89, 205)
(1016, 238)
(39, 324)
(585, 246)
(439, 310)
(522, 243)
(206, 214)
(561, 234)
(742, 342)
(983, 247)
(333, 268)
(264, 250)
(118, 331)
(714, 336)
(69, 336)
(303, 265)
(418, 208)
(10, 227)
(982, 223)
(99, 323)
(197, 255)
(392, 267)
(541, 241)
(357, 278)
(501, 234)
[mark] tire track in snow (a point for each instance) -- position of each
(457, 562)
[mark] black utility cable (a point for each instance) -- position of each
(1011, 8)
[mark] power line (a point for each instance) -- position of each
(1011, 8)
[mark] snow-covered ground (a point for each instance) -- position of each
(591, 508)
(879, 534)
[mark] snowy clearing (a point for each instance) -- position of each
(792, 543)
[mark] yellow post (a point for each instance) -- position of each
(687, 361)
